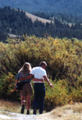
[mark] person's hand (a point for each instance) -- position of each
(51, 85)
(15, 89)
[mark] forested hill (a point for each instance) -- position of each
(15, 21)
(55, 6)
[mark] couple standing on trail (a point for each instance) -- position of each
(38, 75)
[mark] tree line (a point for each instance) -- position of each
(16, 22)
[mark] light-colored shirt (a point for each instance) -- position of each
(38, 73)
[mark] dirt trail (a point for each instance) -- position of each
(17, 116)
(11, 111)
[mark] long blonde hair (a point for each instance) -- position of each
(23, 69)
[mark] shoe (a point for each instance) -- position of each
(28, 112)
(40, 112)
(22, 109)
(34, 111)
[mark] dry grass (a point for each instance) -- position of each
(67, 112)
(10, 106)
(34, 18)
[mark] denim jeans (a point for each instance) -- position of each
(39, 95)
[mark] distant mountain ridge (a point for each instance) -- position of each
(56, 6)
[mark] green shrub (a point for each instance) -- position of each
(7, 85)
(56, 96)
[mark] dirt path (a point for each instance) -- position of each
(11, 111)
(16, 116)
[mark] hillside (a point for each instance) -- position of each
(34, 18)
(12, 20)
(18, 22)
(56, 6)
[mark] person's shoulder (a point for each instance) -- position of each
(41, 69)
(19, 73)
(35, 68)
(38, 68)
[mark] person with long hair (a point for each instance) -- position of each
(26, 91)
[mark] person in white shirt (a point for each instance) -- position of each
(39, 87)
(39, 73)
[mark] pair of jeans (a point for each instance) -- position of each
(39, 95)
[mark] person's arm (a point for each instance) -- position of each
(48, 81)
(35, 79)
(28, 77)
(16, 84)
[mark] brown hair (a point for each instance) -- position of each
(42, 63)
